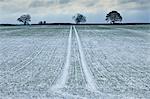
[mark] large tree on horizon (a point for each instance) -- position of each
(113, 17)
(79, 18)
(25, 19)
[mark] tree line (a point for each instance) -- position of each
(112, 17)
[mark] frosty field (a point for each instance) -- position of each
(75, 62)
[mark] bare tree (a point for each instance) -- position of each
(113, 17)
(40, 22)
(25, 19)
(78, 18)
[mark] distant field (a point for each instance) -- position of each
(75, 62)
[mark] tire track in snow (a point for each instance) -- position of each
(89, 78)
(76, 77)
(61, 82)
(121, 78)
(27, 61)
(4, 62)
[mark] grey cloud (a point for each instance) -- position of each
(64, 1)
(133, 5)
(48, 7)
(40, 3)
(43, 3)
(2, 0)
(90, 4)
(136, 1)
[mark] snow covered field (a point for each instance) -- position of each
(75, 62)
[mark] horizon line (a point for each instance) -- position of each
(63, 23)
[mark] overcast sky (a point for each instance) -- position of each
(63, 10)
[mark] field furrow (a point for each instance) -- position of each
(119, 64)
(38, 71)
(75, 62)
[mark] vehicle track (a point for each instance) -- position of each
(16, 55)
(63, 78)
(49, 79)
(76, 78)
(52, 66)
(89, 78)
(77, 69)
(27, 61)
(119, 78)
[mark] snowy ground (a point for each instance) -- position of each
(68, 62)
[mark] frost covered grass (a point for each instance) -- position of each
(82, 62)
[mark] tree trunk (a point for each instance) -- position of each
(113, 22)
(25, 23)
